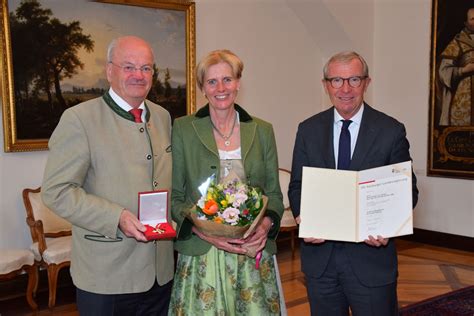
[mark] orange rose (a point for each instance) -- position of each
(210, 208)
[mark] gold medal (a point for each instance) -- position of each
(158, 229)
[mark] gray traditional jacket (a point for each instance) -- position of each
(99, 160)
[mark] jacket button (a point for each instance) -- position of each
(148, 157)
(142, 129)
(155, 183)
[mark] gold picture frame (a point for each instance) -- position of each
(451, 108)
(27, 128)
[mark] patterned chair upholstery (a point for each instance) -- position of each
(51, 237)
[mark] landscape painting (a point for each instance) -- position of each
(54, 57)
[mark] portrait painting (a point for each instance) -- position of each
(54, 55)
(451, 117)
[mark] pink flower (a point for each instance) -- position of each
(240, 198)
(231, 215)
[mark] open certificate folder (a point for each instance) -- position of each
(351, 205)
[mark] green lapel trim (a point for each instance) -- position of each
(203, 128)
(147, 114)
(243, 115)
(121, 112)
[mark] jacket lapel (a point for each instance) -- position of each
(203, 129)
(329, 158)
(247, 135)
(202, 126)
(327, 143)
(365, 139)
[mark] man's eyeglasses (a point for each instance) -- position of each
(338, 82)
(129, 68)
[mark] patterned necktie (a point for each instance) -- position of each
(137, 114)
(344, 156)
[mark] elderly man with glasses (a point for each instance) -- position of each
(102, 153)
(350, 135)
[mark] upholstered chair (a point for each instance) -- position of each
(288, 223)
(14, 262)
(51, 237)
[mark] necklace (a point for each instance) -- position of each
(224, 137)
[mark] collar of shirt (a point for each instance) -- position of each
(353, 129)
(124, 105)
(355, 119)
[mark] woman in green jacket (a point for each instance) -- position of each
(214, 276)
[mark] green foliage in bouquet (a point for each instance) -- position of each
(233, 203)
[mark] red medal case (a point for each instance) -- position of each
(153, 213)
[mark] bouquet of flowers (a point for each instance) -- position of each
(228, 209)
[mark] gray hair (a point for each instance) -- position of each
(110, 49)
(346, 57)
(113, 44)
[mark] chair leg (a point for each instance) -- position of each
(32, 285)
(53, 270)
(35, 286)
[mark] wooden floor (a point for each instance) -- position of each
(424, 271)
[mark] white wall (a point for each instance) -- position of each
(279, 42)
(280, 63)
(17, 171)
(284, 44)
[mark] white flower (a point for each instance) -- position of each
(240, 198)
(201, 202)
(231, 215)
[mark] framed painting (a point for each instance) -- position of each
(451, 109)
(54, 57)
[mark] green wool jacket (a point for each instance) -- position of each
(196, 157)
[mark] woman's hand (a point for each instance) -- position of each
(226, 244)
(258, 239)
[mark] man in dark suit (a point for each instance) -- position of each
(343, 275)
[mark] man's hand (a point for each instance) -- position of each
(380, 241)
(131, 226)
(298, 219)
(314, 240)
(309, 240)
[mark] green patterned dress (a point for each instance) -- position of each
(223, 283)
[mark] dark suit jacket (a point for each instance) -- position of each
(381, 141)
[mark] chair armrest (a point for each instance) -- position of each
(32, 224)
(37, 229)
